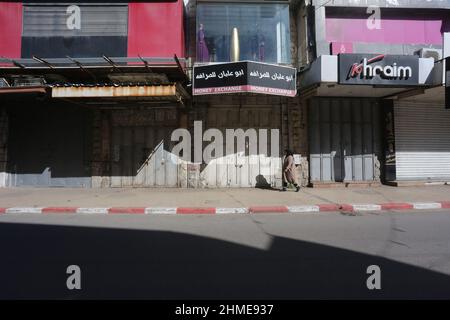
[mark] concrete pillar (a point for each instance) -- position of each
(298, 136)
(322, 46)
(100, 149)
(3, 146)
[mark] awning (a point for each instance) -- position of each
(21, 90)
(94, 68)
(173, 91)
(99, 79)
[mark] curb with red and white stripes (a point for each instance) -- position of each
(242, 210)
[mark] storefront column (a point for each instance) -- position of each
(101, 149)
(3, 146)
(298, 136)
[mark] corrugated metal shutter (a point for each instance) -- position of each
(422, 138)
(141, 148)
(244, 169)
(96, 20)
(344, 139)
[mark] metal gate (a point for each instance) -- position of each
(244, 168)
(49, 145)
(140, 148)
(422, 139)
(344, 139)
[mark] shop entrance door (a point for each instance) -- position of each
(244, 168)
(139, 158)
(140, 148)
(344, 139)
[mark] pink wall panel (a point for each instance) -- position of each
(399, 31)
(10, 29)
(156, 29)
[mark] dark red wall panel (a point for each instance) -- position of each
(156, 29)
(10, 29)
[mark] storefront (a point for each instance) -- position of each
(422, 138)
(353, 104)
(85, 134)
(249, 96)
(243, 79)
(422, 134)
(90, 93)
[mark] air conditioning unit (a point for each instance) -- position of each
(436, 54)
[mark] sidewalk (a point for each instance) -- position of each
(249, 198)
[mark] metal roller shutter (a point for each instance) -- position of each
(96, 20)
(244, 169)
(82, 30)
(422, 137)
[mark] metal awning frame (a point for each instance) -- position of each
(86, 63)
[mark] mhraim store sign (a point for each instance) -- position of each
(244, 76)
(378, 69)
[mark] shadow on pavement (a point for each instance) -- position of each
(118, 263)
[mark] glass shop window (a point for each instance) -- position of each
(262, 32)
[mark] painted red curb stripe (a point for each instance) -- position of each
(59, 210)
(132, 210)
(186, 210)
(254, 209)
(346, 207)
(328, 207)
(275, 209)
(445, 204)
(396, 206)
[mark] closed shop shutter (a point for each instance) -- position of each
(422, 137)
(49, 145)
(141, 145)
(344, 138)
(246, 169)
(81, 30)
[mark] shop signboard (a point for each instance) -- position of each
(244, 76)
(379, 69)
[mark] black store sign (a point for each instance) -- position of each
(378, 69)
(245, 76)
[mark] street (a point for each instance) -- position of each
(235, 256)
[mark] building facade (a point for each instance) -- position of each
(263, 35)
(92, 96)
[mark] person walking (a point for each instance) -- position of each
(289, 171)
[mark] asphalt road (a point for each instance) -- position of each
(264, 256)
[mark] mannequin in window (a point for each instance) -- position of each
(254, 44)
(258, 45)
(202, 48)
(261, 45)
